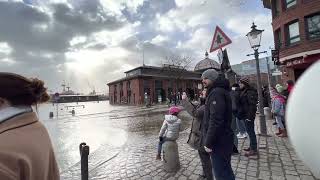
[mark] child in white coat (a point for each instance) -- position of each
(170, 128)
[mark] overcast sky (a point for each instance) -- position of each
(89, 43)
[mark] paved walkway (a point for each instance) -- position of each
(277, 161)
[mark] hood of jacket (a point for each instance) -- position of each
(171, 118)
(220, 82)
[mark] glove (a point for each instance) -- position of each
(208, 150)
(160, 138)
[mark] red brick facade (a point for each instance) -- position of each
(135, 94)
(298, 56)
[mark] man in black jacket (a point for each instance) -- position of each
(217, 135)
(247, 111)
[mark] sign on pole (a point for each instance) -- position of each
(220, 39)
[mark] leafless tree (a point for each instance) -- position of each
(176, 67)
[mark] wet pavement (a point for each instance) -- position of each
(128, 151)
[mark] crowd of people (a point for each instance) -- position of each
(224, 114)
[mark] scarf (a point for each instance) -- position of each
(10, 112)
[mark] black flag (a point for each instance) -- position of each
(225, 65)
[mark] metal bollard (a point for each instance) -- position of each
(51, 115)
(84, 153)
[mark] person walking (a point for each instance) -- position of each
(247, 111)
(217, 135)
(170, 128)
(26, 150)
(197, 112)
(278, 109)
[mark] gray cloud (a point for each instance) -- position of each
(26, 28)
(87, 18)
(39, 38)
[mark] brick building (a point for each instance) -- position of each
(158, 83)
(296, 28)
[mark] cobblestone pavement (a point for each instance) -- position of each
(277, 161)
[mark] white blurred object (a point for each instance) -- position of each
(303, 118)
(184, 95)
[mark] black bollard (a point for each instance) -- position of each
(84, 153)
(51, 115)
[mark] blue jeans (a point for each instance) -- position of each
(252, 134)
(160, 145)
(221, 165)
(241, 126)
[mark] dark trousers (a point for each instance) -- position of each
(252, 134)
(206, 163)
(160, 145)
(221, 164)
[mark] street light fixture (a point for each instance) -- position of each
(254, 37)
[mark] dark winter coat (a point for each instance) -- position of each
(235, 96)
(248, 104)
(216, 124)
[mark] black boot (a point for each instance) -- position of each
(235, 150)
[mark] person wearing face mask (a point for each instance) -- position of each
(197, 112)
(26, 152)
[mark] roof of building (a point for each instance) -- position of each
(162, 72)
(206, 63)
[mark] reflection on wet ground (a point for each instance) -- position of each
(106, 129)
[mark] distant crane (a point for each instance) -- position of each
(64, 86)
(93, 92)
(68, 87)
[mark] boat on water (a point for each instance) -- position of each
(67, 96)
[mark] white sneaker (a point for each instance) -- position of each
(239, 135)
(242, 136)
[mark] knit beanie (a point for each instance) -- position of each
(279, 88)
(245, 80)
(174, 110)
(210, 74)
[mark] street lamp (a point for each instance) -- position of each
(254, 37)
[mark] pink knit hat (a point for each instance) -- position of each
(174, 110)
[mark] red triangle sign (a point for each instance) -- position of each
(220, 39)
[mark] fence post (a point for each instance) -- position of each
(84, 153)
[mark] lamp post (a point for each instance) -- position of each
(254, 37)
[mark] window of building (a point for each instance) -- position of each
(276, 5)
(128, 85)
(290, 3)
(313, 26)
(293, 34)
(278, 38)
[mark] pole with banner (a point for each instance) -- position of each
(220, 40)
